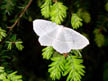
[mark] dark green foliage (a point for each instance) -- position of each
(2, 33)
(14, 41)
(9, 76)
(84, 15)
(8, 6)
(106, 6)
(99, 38)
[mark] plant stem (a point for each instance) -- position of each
(21, 14)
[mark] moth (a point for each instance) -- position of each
(62, 39)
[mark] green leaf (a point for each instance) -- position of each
(47, 52)
(13, 41)
(76, 52)
(56, 67)
(9, 77)
(13, 38)
(9, 46)
(58, 12)
(14, 77)
(106, 6)
(19, 45)
(45, 8)
(105, 71)
(8, 6)
(74, 68)
(99, 38)
(86, 16)
(76, 21)
(1, 69)
(2, 33)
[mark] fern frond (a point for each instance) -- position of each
(45, 8)
(9, 45)
(14, 77)
(8, 6)
(86, 17)
(19, 45)
(74, 68)
(56, 67)
(106, 6)
(2, 33)
(47, 52)
(4, 76)
(76, 21)
(99, 38)
(76, 53)
(58, 12)
(13, 41)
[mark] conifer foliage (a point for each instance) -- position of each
(61, 66)
(76, 14)
(55, 11)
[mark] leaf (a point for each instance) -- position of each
(76, 52)
(13, 38)
(8, 6)
(2, 34)
(105, 71)
(9, 77)
(99, 38)
(1, 69)
(19, 45)
(56, 67)
(86, 16)
(47, 52)
(13, 41)
(76, 21)
(9, 46)
(74, 68)
(58, 12)
(45, 8)
(106, 6)
(13, 77)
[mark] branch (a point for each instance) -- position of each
(17, 20)
(21, 14)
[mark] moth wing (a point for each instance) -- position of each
(42, 27)
(68, 39)
(48, 38)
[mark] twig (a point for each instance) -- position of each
(21, 14)
(17, 20)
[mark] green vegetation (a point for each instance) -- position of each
(20, 51)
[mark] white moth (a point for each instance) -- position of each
(61, 38)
